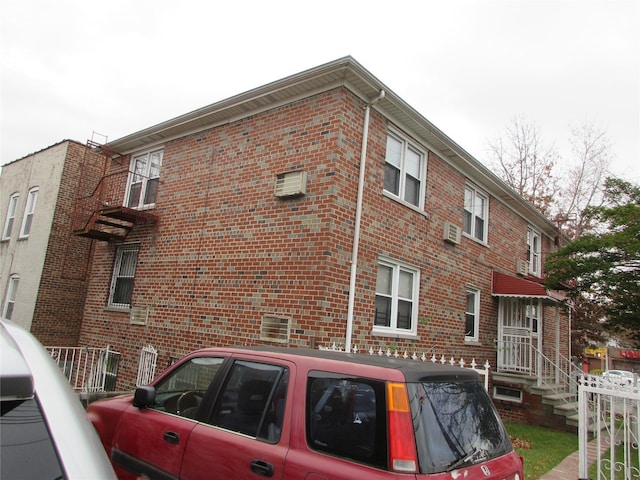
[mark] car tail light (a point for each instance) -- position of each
(402, 446)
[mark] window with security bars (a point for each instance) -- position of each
(124, 271)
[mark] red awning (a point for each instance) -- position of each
(508, 286)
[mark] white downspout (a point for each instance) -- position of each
(356, 233)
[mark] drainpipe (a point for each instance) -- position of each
(356, 233)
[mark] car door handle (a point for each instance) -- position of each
(262, 468)
(171, 437)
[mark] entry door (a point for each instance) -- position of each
(518, 328)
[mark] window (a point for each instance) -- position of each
(27, 448)
(404, 170)
(252, 400)
(11, 216)
(28, 213)
(396, 298)
(507, 394)
(143, 179)
(533, 251)
(472, 314)
(183, 390)
(346, 417)
(476, 212)
(532, 313)
(10, 299)
(124, 272)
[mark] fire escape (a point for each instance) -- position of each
(101, 210)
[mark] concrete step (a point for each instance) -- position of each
(558, 398)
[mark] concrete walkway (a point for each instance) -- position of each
(568, 468)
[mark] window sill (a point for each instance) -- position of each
(126, 310)
(475, 343)
(479, 242)
(396, 199)
(393, 334)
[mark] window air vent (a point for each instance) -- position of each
(139, 315)
(291, 184)
(451, 233)
(523, 268)
(274, 329)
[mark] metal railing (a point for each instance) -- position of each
(482, 370)
(88, 369)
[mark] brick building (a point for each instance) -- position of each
(319, 209)
(43, 265)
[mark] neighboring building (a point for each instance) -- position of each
(43, 265)
(321, 209)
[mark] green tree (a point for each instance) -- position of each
(604, 266)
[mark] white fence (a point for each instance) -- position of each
(88, 369)
(147, 365)
(482, 370)
(608, 412)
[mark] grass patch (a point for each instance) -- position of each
(541, 448)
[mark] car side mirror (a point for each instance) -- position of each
(144, 396)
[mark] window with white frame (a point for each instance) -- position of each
(396, 309)
(124, 271)
(11, 217)
(472, 315)
(10, 298)
(476, 213)
(532, 315)
(534, 251)
(144, 177)
(27, 220)
(404, 170)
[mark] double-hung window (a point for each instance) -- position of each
(396, 310)
(534, 251)
(472, 315)
(27, 221)
(124, 271)
(11, 217)
(144, 177)
(476, 213)
(404, 170)
(10, 299)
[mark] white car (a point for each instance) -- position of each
(44, 431)
(620, 377)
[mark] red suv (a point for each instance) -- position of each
(293, 413)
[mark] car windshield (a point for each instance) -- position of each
(456, 425)
(26, 447)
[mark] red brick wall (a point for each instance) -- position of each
(226, 251)
(59, 307)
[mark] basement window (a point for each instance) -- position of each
(274, 329)
(507, 394)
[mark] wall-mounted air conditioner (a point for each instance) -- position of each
(523, 268)
(291, 184)
(138, 315)
(451, 233)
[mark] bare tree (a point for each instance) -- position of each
(523, 161)
(584, 180)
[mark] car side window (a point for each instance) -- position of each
(27, 449)
(252, 400)
(347, 417)
(182, 391)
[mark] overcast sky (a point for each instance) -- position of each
(73, 67)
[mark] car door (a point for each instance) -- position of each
(246, 435)
(150, 442)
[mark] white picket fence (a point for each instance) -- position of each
(482, 370)
(88, 369)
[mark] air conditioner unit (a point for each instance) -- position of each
(523, 268)
(138, 315)
(291, 184)
(274, 329)
(451, 233)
